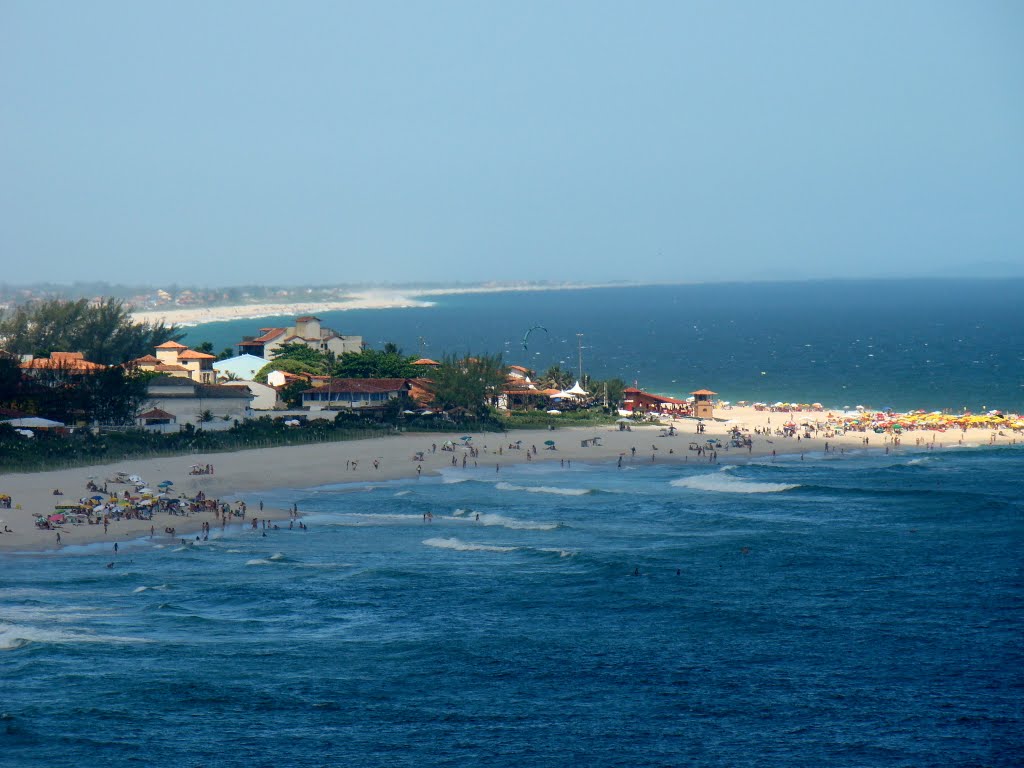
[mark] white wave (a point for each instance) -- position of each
(277, 556)
(519, 525)
(258, 561)
(137, 590)
(461, 512)
(559, 552)
(503, 486)
(233, 551)
(722, 482)
(402, 493)
(922, 460)
(14, 636)
(463, 546)
(449, 479)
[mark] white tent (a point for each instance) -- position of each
(34, 422)
(576, 389)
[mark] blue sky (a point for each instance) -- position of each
(235, 142)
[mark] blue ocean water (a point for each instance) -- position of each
(907, 344)
(857, 610)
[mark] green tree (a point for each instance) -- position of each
(388, 363)
(103, 332)
(555, 378)
(291, 393)
(468, 382)
(314, 359)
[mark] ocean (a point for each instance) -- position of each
(845, 610)
(854, 610)
(905, 344)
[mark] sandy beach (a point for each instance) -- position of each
(243, 475)
(375, 299)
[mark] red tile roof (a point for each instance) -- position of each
(362, 385)
(146, 360)
(63, 361)
(703, 392)
(171, 345)
(191, 354)
(426, 361)
(156, 413)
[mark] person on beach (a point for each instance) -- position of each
(58, 537)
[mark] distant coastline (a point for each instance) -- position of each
(374, 299)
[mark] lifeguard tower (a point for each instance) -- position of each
(702, 403)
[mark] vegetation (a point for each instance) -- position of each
(111, 396)
(46, 451)
(468, 383)
(103, 332)
(297, 358)
(388, 363)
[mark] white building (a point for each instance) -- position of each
(307, 330)
(184, 401)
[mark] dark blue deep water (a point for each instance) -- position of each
(907, 344)
(862, 610)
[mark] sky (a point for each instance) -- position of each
(232, 143)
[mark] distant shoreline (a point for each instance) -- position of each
(375, 299)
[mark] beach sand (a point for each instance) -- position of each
(243, 475)
(376, 299)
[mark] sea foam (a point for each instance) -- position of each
(465, 546)
(488, 518)
(723, 482)
(503, 486)
(14, 636)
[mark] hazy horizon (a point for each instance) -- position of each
(234, 144)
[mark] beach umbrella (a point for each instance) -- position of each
(555, 412)
(96, 498)
(549, 442)
(467, 438)
(167, 482)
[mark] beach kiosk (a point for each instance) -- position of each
(702, 403)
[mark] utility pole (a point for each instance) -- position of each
(579, 345)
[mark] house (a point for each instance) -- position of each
(240, 368)
(186, 401)
(65, 362)
(354, 394)
(307, 330)
(427, 364)
(177, 360)
(635, 399)
(264, 396)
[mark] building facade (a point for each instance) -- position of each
(307, 330)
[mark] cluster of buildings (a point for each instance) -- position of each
(192, 387)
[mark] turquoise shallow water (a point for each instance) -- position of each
(857, 610)
(901, 343)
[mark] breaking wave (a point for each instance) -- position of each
(543, 489)
(723, 482)
(146, 589)
(464, 546)
(487, 518)
(14, 636)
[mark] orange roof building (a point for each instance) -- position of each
(70, 362)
